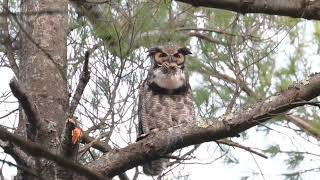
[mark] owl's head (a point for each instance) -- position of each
(168, 66)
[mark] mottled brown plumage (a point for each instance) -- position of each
(165, 97)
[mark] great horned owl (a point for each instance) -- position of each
(165, 97)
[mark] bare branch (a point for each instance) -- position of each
(215, 31)
(100, 145)
(28, 107)
(9, 113)
(204, 37)
(304, 124)
(84, 79)
(234, 144)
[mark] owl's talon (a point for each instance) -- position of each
(155, 130)
(142, 136)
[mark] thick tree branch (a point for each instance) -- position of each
(307, 9)
(163, 142)
(37, 151)
(29, 108)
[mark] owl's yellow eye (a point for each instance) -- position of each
(158, 57)
(177, 55)
(163, 55)
(179, 58)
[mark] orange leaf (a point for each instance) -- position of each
(76, 133)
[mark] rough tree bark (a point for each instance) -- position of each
(43, 74)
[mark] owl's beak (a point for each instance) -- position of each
(173, 65)
(170, 58)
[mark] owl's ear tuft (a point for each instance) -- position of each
(184, 51)
(153, 50)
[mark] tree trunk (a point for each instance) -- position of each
(43, 74)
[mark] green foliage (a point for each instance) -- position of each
(220, 18)
(201, 96)
(194, 64)
(273, 150)
(229, 159)
(294, 176)
(286, 75)
(316, 34)
(316, 124)
(294, 159)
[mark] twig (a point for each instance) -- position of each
(9, 113)
(201, 36)
(213, 30)
(260, 170)
(268, 53)
(234, 144)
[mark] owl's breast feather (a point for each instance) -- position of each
(169, 80)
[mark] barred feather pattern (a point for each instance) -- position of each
(154, 168)
(158, 110)
(165, 97)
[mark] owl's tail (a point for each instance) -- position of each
(154, 168)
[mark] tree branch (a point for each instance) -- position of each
(305, 125)
(157, 144)
(29, 108)
(84, 79)
(100, 145)
(38, 151)
(234, 144)
(297, 9)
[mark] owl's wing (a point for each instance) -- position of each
(141, 110)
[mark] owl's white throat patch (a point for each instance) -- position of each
(169, 80)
